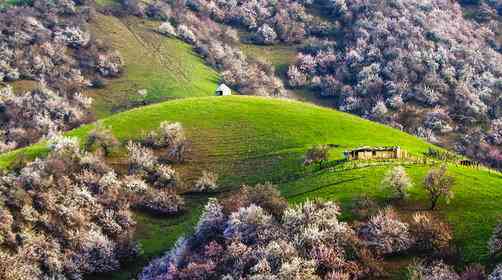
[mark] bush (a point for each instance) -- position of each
(266, 35)
(40, 112)
(474, 272)
(163, 177)
(167, 29)
(438, 184)
(135, 185)
(170, 136)
(140, 159)
(430, 234)
(397, 181)
(265, 195)
(495, 243)
(434, 271)
(207, 182)
(101, 137)
(385, 234)
(307, 243)
(49, 42)
(162, 202)
(216, 43)
(73, 36)
(186, 34)
(66, 193)
(317, 154)
(364, 207)
(495, 132)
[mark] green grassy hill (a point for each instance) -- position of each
(166, 67)
(251, 139)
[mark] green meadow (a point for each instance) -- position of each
(165, 67)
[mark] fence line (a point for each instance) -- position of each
(342, 165)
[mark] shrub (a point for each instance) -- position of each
(48, 42)
(140, 159)
(166, 29)
(313, 223)
(109, 64)
(73, 36)
(430, 234)
(171, 134)
(495, 243)
(495, 133)
(216, 43)
(101, 137)
(162, 202)
(77, 205)
(265, 195)
(385, 233)
(266, 35)
(474, 272)
(364, 207)
(211, 223)
(434, 271)
(6, 222)
(245, 225)
(61, 146)
(295, 77)
(163, 177)
(17, 267)
(309, 242)
(40, 112)
(186, 34)
(207, 182)
(134, 184)
(438, 184)
(397, 181)
(317, 154)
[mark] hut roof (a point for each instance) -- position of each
(372, 149)
(223, 88)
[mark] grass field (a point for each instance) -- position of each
(250, 140)
(166, 67)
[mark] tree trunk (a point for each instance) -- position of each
(434, 202)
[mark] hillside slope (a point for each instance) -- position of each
(165, 67)
(250, 140)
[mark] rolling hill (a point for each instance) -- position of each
(165, 67)
(250, 140)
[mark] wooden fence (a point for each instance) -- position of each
(344, 164)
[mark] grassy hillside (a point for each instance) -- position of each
(250, 140)
(166, 67)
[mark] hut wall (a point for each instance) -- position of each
(368, 155)
(402, 154)
(364, 155)
(385, 154)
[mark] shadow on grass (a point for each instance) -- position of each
(322, 187)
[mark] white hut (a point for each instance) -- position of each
(223, 90)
